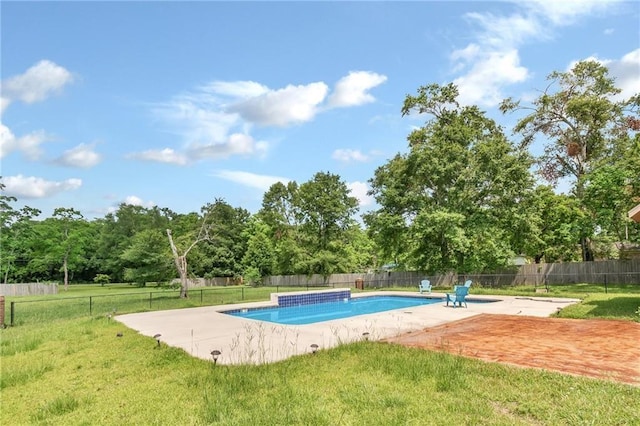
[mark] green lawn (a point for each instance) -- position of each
(77, 371)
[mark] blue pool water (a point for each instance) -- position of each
(317, 312)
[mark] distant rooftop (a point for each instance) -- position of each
(634, 213)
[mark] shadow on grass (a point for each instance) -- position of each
(614, 307)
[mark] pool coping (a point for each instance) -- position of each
(201, 330)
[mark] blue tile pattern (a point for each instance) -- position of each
(312, 298)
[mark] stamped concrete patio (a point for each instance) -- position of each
(244, 341)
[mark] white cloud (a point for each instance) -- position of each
(283, 107)
(492, 61)
(82, 156)
(262, 182)
(4, 103)
(166, 155)
(237, 89)
(36, 84)
(29, 144)
(349, 155)
(626, 72)
(216, 119)
(354, 89)
(505, 32)
(33, 187)
(565, 12)
(137, 201)
(236, 144)
(198, 117)
(483, 82)
(359, 190)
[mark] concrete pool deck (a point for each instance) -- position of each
(201, 330)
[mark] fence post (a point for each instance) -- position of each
(605, 284)
(150, 297)
(13, 310)
(90, 305)
(242, 293)
(201, 296)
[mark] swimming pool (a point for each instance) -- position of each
(318, 312)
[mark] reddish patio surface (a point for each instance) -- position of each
(603, 349)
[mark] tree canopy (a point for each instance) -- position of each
(451, 202)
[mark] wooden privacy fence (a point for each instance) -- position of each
(28, 289)
(544, 274)
(601, 272)
(370, 280)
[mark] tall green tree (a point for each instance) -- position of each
(259, 259)
(278, 212)
(147, 258)
(16, 237)
(220, 255)
(325, 211)
(452, 202)
(555, 220)
(117, 229)
(61, 244)
(581, 123)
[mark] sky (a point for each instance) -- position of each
(178, 104)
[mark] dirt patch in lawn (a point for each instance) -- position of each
(596, 348)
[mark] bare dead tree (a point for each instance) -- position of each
(181, 259)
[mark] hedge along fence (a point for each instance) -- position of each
(29, 289)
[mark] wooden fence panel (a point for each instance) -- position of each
(28, 289)
(611, 271)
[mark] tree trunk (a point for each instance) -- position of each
(66, 273)
(587, 252)
(181, 266)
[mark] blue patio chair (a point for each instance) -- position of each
(459, 296)
(425, 285)
(466, 284)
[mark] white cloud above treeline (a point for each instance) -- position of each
(491, 62)
(82, 156)
(216, 119)
(353, 89)
(253, 180)
(31, 187)
(36, 84)
(349, 156)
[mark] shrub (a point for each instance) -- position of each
(102, 279)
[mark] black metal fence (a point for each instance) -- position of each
(51, 309)
(29, 311)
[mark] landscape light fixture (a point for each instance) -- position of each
(215, 354)
(157, 337)
(314, 348)
(365, 335)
